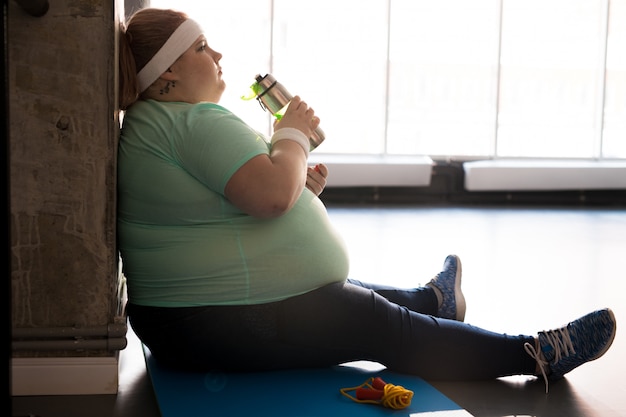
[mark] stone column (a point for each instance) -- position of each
(66, 287)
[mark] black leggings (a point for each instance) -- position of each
(337, 323)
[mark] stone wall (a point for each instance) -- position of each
(63, 130)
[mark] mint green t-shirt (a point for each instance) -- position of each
(183, 243)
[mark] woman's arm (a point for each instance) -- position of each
(268, 185)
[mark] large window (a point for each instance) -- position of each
(447, 78)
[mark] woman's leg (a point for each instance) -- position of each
(342, 322)
(420, 299)
(441, 297)
(334, 324)
(341, 319)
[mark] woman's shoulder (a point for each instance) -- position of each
(176, 107)
(204, 109)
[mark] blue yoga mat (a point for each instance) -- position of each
(291, 393)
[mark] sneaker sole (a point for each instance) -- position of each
(458, 293)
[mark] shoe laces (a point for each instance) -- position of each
(562, 346)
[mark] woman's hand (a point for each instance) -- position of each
(299, 116)
(316, 178)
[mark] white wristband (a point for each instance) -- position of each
(293, 134)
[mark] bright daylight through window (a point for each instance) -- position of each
(451, 78)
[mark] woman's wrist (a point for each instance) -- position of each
(293, 134)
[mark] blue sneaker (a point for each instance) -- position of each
(561, 350)
(448, 282)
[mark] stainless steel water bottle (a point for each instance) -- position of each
(274, 97)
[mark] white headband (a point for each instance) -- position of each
(182, 38)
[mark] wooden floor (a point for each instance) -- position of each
(524, 270)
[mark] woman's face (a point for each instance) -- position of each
(198, 73)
